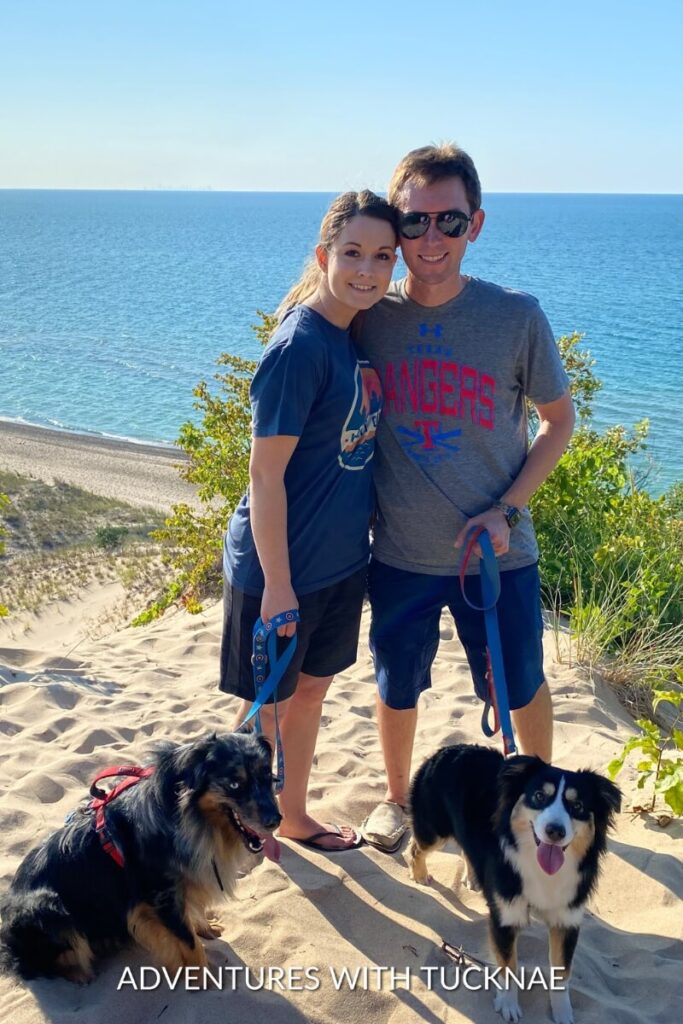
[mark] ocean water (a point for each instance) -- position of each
(114, 304)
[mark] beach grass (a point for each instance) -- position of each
(60, 538)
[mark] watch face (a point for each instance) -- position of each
(513, 517)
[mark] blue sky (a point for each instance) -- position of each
(582, 97)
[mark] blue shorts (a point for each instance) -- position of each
(404, 634)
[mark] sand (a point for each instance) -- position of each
(75, 699)
(141, 474)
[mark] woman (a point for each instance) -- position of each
(299, 538)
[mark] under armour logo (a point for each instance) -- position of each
(426, 329)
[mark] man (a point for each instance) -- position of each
(458, 358)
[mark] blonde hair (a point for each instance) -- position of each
(429, 164)
(343, 209)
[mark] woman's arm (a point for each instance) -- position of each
(268, 510)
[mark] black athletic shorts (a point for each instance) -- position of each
(327, 635)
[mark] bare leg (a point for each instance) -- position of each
(534, 724)
(397, 736)
(267, 717)
(299, 735)
(299, 718)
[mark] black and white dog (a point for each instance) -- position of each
(532, 836)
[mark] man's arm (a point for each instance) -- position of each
(555, 429)
(268, 511)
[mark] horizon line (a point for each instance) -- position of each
(299, 191)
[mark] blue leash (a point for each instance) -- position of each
(490, 592)
(268, 671)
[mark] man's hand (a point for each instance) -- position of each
(495, 522)
(277, 599)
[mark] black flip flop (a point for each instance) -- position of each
(313, 842)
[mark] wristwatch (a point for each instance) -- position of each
(512, 514)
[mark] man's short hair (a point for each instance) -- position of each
(429, 164)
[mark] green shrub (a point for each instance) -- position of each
(611, 554)
(110, 537)
(4, 502)
(665, 772)
(218, 448)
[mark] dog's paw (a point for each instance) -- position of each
(417, 869)
(507, 1005)
(209, 929)
(561, 1007)
(417, 864)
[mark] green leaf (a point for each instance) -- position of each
(672, 777)
(674, 798)
(671, 696)
(651, 729)
(615, 766)
(648, 746)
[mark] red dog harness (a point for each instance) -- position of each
(101, 798)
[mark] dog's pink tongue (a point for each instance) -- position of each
(271, 848)
(550, 857)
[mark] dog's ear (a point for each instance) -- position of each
(265, 744)
(193, 761)
(606, 796)
(516, 772)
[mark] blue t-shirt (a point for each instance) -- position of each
(311, 385)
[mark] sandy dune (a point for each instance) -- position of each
(73, 703)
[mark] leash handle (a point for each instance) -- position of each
(268, 671)
(497, 699)
(488, 569)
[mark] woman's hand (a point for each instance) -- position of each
(279, 598)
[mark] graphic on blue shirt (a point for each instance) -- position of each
(358, 433)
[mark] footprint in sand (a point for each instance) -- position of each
(94, 739)
(10, 728)
(62, 696)
(362, 712)
(42, 788)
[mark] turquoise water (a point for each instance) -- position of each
(114, 304)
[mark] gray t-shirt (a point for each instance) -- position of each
(453, 433)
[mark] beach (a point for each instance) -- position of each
(141, 474)
(76, 698)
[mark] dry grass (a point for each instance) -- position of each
(53, 545)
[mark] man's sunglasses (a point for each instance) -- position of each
(452, 223)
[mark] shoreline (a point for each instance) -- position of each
(140, 473)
